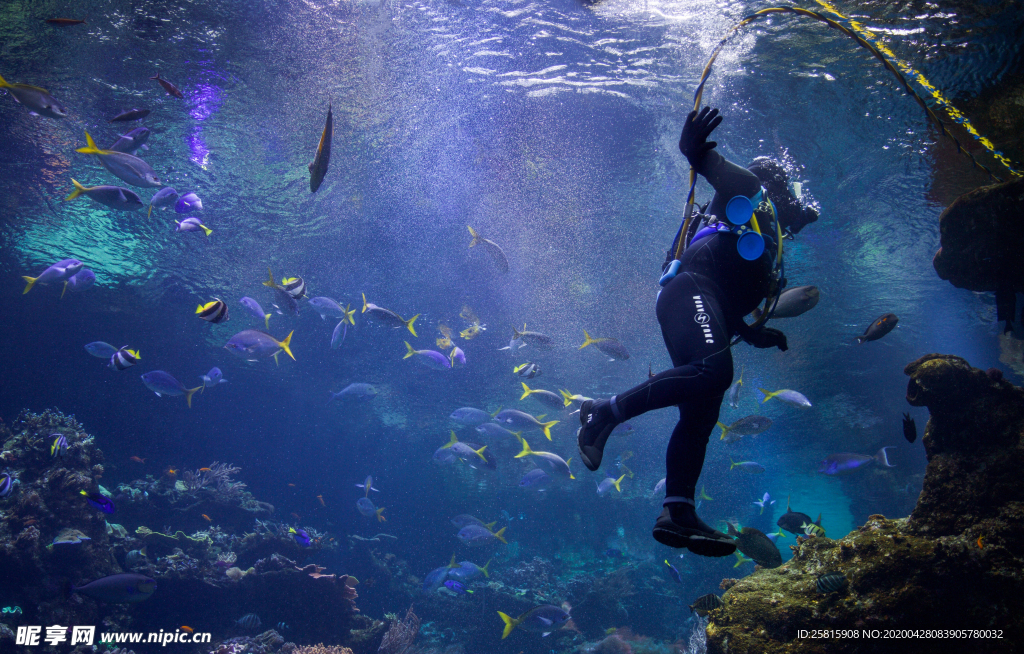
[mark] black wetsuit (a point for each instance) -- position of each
(700, 310)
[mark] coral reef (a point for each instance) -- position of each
(955, 563)
(400, 634)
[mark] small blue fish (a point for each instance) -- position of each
(847, 462)
(254, 308)
(535, 480)
(60, 446)
(188, 203)
(165, 197)
(80, 281)
(212, 378)
(747, 466)
(99, 501)
(325, 306)
(163, 383)
(607, 484)
(674, 572)
(253, 345)
(480, 535)
(101, 350)
(456, 586)
(339, 334)
(429, 358)
(6, 484)
(300, 535)
(358, 391)
(367, 485)
(764, 502)
(469, 416)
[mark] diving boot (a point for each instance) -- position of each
(597, 423)
(678, 526)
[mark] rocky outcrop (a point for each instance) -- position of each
(982, 237)
(955, 563)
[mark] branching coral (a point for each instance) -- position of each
(400, 634)
(216, 478)
(322, 649)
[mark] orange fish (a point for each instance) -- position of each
(187, 628)
(321, 498)
(204, 470)
(171, 472)
(207, 518)
(979, 543)
(296, 516)
(292, 485)
(137, 459)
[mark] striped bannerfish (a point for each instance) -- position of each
(831, 582)
(60, 445)
(215, 312)
(705, 603)
(6, 484)
(249, 622)
(124, 358)
(294, 286)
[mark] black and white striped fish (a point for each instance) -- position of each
(831, 582)
(294, 286)
(124, 358)
(215, 312)
(249, 622)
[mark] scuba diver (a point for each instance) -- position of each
(732, 264)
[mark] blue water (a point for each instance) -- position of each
(551, 128)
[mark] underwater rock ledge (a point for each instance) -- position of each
(955, 563)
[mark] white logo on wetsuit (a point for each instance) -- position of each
(702, 319)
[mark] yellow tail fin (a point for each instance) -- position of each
(409, 322)
(453, 564)
(286, 343)
(496, 412)
(476, 237)
(62, 291)
(704, 495)
(487, 575)
(189, 393)
(547, 427)
(510, 624)
(767, 395)
(79, 189)
(617, 482)
(364, 304)
(567, 465)
(266, 320)
(526, 448)
(206, 229)
(270, 282)
(566, 396)
(90, 147)
(31, 282)
(725, 430)
(498, 534)
(349, 312)
(480, 453)
(586, 340)
(490, 525)
(381, 518)
(3, 83)
(526, 391)
(411, 352)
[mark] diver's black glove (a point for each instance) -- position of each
(767, 337)
(693, 142)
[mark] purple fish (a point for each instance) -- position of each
(252, 345)
(429, 358)
(99, 501)
(188, 203)
(300, 535)
(163, 383)
(456, 586)
(214, 377)
(192, 225)
(80, 281)
(165, 197)
(535, 480)
(254, 308)
(846, 462)
(57, 272)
